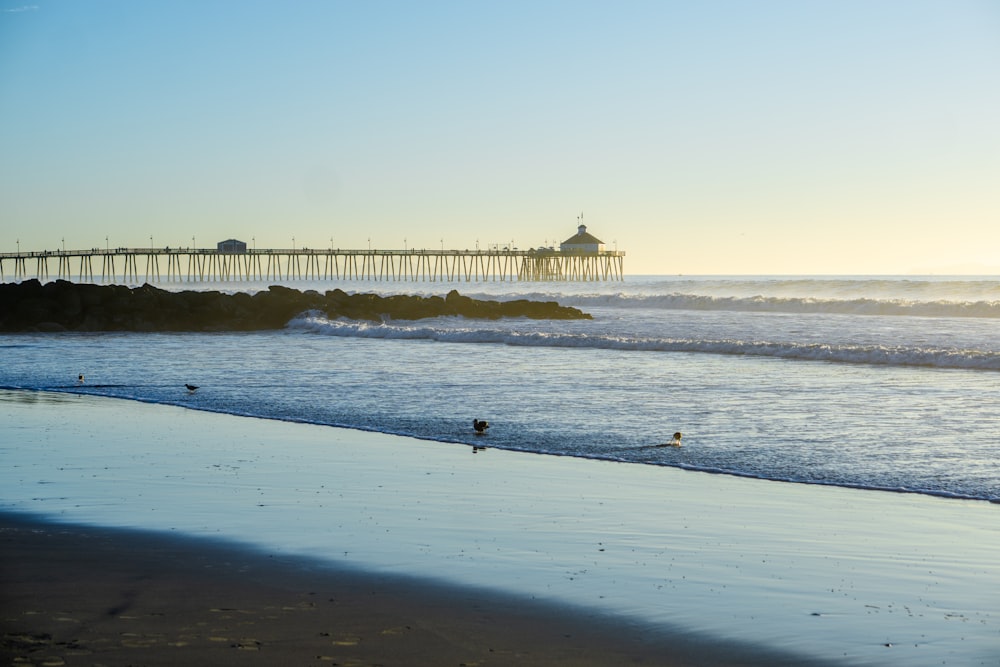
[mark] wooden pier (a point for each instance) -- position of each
(169, 265)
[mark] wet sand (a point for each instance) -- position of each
(263, 538)
(75, 595)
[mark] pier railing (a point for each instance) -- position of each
(159, 265)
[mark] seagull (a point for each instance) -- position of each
(480, 426)
(676, 442)
(191, 388)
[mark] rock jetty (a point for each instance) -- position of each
(66, 306)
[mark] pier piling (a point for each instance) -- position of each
(211, 265)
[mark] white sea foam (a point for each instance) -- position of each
(775, 304)
(859, 354)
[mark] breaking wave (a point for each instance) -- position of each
(779, 304)
(884, 355)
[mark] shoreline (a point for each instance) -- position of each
(116, 596)
(821, 573)
(79, 390)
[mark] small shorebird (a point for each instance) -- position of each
(191, 388)
(480, 426)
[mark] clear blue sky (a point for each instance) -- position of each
(794, 136)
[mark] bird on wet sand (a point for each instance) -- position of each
(191, 387)
(480, 426)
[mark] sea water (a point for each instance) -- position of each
(883, 385)
(880, 383)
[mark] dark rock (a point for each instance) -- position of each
(49, 327)
(62, 306)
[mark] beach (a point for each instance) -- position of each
(473, 556)
(721, 282)
(80, 595)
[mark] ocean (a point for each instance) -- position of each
(890, 384)
(834, 495)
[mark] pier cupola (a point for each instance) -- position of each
(582, 241)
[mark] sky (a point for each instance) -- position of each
(710, 137)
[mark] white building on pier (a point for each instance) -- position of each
(582, 242)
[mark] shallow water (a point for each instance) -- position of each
(778, 378)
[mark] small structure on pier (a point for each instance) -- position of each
(581, 258)
(582, 242)
(232, 247)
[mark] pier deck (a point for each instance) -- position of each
(159, 265)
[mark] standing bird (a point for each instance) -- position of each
(480, 426)
(191, 387)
